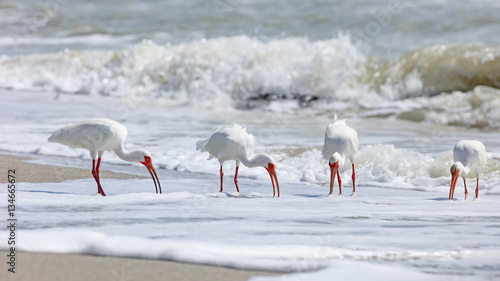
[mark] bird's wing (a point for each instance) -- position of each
(355, 139)
(81, 135)
(215, 145)
(244, 140)
(482, 154)
(327, 146)
(249, 141)
(340, 138)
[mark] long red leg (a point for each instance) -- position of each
(466, 192)
(353, 180)
(93, 170)
(340, 181)
(477, 187)
(236, 179)
(221, 178)
(95, 173)
(98, 178)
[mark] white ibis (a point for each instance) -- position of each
(99, 135)
(234, 143)
(341, 141)
(468, 155)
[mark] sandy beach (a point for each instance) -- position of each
(48, 266)
(42, 266)
(31, 172)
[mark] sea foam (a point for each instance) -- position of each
(244, 72)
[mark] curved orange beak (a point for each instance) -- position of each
(149, 165)
(454, 178)
(271, 169)
(333, 171)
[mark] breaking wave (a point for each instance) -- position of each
(446, 84)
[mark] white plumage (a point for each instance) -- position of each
(99, 135)
(468, 155)
(341, 141)
(234, 143)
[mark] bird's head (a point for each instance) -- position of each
(138, 155)
(335, 162)
(457, 170)
(264, 160)
(270, 165)
(336, 159)
(146, 160)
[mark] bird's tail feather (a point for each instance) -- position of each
(200, 145)
(336, 119)
(56, 135)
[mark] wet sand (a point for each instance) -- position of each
(50, 267)
(31, 172)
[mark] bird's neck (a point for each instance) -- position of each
(465, 171)
(342, 162)
(249, 161)
(124, 154)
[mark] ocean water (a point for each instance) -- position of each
(412, 60)
(412, 77)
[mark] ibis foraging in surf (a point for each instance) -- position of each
(234, 143)
(468, 155)
(341, 142)
(99, 135)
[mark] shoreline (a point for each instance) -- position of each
(37, 173)
(53, 266)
